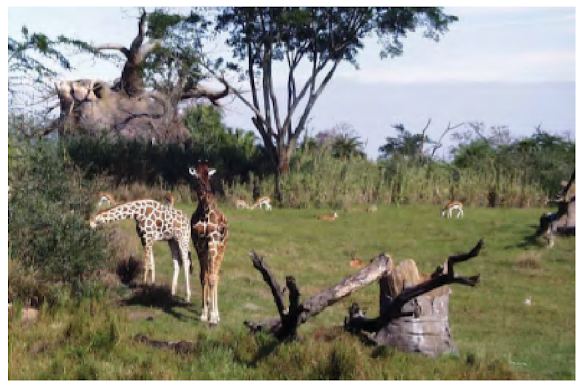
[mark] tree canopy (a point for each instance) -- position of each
(321, 38)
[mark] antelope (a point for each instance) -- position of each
(372, 208)
(356, 263)
(328, 217)
(450, 206)
(262, 201)
(241, 204)
(105, 197)
(169, 200)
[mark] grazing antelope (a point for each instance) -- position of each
(328, 217)
(241, 204)
(262, 201)
(450, 206)
(356, 263)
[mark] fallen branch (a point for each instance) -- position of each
(285, 327)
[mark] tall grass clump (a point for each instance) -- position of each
(51, 245)
(319, 179)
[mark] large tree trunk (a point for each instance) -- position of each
(125, 108)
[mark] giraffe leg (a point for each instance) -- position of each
(213, 276)
(202, 252)
(147, 261)
(186, 266)
(175, 256)
(217, 250)
(152, 265)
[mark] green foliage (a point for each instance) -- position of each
(173, 67)
(542, 159)
(233, 153)
(51, 202)
(405, 144)
(33, 54)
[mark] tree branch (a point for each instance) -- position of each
(286, 325)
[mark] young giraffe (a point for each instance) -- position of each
(155, 222)
(209, 235)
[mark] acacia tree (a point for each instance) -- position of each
(321, 38)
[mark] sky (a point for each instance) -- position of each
(512, 66)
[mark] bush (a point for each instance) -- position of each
(50, 241)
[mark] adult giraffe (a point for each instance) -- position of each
(209, 235)
(155, 222)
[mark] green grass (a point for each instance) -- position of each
(497, 335)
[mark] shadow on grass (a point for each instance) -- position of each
(159, 296)
(532, 240)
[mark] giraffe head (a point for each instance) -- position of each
(202, 174)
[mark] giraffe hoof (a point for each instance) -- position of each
(213, 324)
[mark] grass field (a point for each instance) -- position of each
(498, 337)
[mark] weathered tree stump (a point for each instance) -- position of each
(413, 308)
(424, 326)
(561, 222)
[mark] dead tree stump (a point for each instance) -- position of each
(424, 326)
(413, 308)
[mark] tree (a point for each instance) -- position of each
(405, 144)
(342, 141)
(320, 38)
(159, 72)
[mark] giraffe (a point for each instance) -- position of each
(155, 222)
(209, 235)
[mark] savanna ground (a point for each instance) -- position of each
(498, 337)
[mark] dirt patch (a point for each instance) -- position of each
(141, 314)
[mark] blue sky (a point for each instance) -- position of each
(511, 66)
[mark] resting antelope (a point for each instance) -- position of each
(450, 206)
(262, 201)
(328, 217)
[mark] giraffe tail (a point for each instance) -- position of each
(190, 258)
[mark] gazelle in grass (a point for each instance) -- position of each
(372, 209)
(328, 217)
(450, 206)
(262, 201)
(241, 204)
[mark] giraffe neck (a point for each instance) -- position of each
(121, 212)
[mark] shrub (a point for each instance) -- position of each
(50, 241)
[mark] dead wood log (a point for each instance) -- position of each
(285, 327)
(416, 319)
